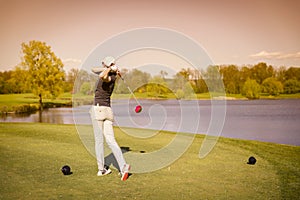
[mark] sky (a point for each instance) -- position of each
(241, 32)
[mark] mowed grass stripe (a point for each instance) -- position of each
(32, 155)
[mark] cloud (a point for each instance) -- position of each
(71, 60)
(70, 63)
(275, 55)
(265, 54)
(290, 55)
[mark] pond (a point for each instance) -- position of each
(275, 121)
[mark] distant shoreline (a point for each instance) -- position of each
(26, 103)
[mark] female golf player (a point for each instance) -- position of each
(102, 118)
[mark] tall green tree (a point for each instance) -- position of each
(280, 74)
(19, 86)
(292, 73)
(213, 79)
(5, 85)
(245, 74)
(70, 80)
(231, 78)
(179, 80)
(81, 77)
(163, 74)
(261, 71)
(201, 86)
(45, 70)
(196, 80)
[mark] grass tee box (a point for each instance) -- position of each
(22, 102)
(33, 154)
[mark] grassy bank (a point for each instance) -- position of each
(32, 155)
(28, 102)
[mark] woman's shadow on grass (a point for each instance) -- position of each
(111, 160)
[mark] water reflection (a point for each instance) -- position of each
(264, 120)
(53, 116)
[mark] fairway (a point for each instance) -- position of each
(32, 155)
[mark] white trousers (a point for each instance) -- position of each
(102, 119)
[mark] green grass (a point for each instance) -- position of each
(281, 96)
(9, 101)
(28, 98)
(13, 99)
(32, 155)
(13, 102)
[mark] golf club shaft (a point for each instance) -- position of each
(129, 90)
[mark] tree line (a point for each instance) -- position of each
(250, 81)
(17, 81)
(41, 73)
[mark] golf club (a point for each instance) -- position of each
(98, 70)
(138, 108)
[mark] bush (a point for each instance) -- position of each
(179, 94)
(27, 108)
(4, 110)
(291, 86)
(272, 86)
(251, 89)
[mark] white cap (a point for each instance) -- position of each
(108, 61)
